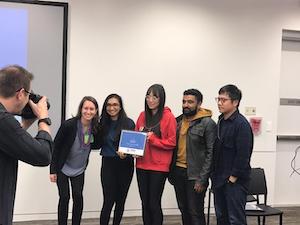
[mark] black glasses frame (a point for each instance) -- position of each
(28, 92)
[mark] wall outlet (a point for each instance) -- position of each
(250, 111)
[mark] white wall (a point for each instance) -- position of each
(287, 185)
(125, 46)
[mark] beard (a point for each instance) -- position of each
(189, 112)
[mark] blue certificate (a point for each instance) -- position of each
(132, 142)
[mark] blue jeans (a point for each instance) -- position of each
(230, 201)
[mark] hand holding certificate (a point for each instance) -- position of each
(121, 155)
(132, 142)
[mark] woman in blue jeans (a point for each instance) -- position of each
(117, 168)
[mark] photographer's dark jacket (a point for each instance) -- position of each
(200, 139)
(63, 142)
(17, 144)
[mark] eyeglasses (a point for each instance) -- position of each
(30, 93)
(149, 97)
(113, 105)
(222, 100)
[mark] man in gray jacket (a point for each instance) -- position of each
(192, 159)
(15, 143)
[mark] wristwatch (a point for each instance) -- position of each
(45, 120)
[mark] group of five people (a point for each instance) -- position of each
(188, 150)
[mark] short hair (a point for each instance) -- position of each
(195, 93)
(12, 79)
(232, 91)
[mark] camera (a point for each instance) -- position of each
(27, 112)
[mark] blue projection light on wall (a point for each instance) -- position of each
(13, 38)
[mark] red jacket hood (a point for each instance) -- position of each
(167, 109)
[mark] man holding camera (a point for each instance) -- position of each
(15, 142)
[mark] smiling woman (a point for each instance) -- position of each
(153, 167)
(72, 146)
(116, 167)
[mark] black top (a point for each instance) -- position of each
(110, 142)
(17, 144)
(233, 149)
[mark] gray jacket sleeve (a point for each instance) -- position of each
(210, 135)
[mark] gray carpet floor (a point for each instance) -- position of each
(291, 216)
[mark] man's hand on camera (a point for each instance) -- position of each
(41, 111)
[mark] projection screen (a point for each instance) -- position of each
(34, 35)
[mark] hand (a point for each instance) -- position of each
(198, 187)
(53, 178)
(40, 109)
(149, 134)
(232, 179)
(121, 155)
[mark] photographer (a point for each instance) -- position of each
(15, 142)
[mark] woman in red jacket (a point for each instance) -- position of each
(152, 169)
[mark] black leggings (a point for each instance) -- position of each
(64, 197)
(116, 176)
(151, 186)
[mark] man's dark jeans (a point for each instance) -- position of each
(230, 201)
(190, 203)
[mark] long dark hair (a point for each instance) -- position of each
(105, 119)
(95, 120)
(152, 121)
